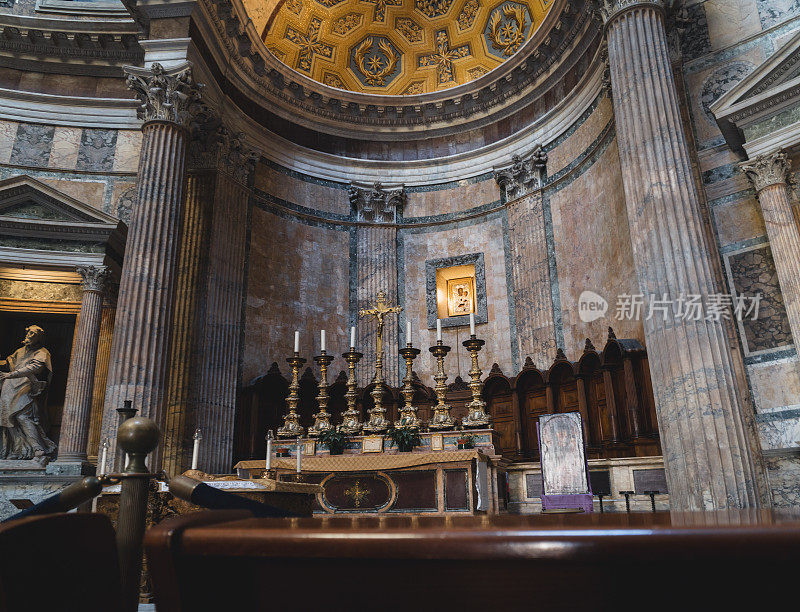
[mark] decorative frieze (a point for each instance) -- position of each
(166, 94)
(524, 175)
(376, 204)
(768, 169)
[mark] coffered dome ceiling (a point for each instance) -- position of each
(395, 47)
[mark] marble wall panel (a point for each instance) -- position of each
(32, 145)
(126, 155)
(593, 251)
(297, 280)
(66, 144)
(44, 292)
(8, 134)
(462, 196)
(123, 196)
(783, 473)
(90, 192)
(730, 21)
(738, 219)
(313, 195)
(773, 12)
(97, 150)
(482, 236)
(570, 149)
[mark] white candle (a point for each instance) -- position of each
(269, 450)
(408, 332)
(438, 329)
(104, 458)
(196, 449)
(471, 324)
(322, 340)
(353, 338)
(299, 456)
(297, 342)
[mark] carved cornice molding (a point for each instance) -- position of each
(524, 175)
(766, 170)
(610, 9)
(166, 95)
(94, 278)
(376, 204)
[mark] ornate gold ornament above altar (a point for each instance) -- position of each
(377, 422)
(395, 47)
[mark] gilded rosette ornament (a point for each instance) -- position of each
(291, 422)
(322, 419)
(408, 413)
(441, 411)
(351, 419)
(166, 94)
(476, 409)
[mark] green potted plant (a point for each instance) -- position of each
(405, 438)
(335, 440)
(466, 441)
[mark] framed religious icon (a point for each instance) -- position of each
(460, 296)
(437, 442)
(565, 471)
(372, 444)
(310, 448)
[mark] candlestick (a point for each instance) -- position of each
(408, 413)
(269, 450)
(291, 422)
(441, 411)
(472, 324)
(353, 338)
(299, 456)
(476, 409)
(196, 448)
(408, 333)
(322, 340)
(351, 419)
(322, 419)
(438, 330)
(297, 342)
(104, 457)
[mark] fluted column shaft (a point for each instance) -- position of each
(80, 379)
(710, 451)
(768, 174)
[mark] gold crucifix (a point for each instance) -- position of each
(379, 311)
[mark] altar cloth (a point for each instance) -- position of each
(366, 462)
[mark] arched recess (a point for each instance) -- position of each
(532, 397)
(503, 409)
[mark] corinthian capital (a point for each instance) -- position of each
(235, 156)
(523, 175)
(166, 95)
(611, 8)
(376, 204)
(768, 169)
(94, 277)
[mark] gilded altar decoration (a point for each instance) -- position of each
(376, 65)
(460, 296)
(508, 28)
(357, 494)
(444, 57)
(310, 45)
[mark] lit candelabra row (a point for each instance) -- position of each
(377, 421)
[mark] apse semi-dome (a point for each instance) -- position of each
(395, 47)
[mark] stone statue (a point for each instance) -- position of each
(21, 400)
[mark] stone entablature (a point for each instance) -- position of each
(376, 204)
(524, 175)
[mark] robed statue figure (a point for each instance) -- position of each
(28, 372)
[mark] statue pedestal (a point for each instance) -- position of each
(24, 483)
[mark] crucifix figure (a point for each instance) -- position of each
(377, 421)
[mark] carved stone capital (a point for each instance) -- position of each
(609, 9)
(376, 204)
(768, 169)
(235, 157)
(94, 278)
(166, 95)
(524, 175)
(605, 83)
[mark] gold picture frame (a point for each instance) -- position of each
(372, 444)
(310, 448)
(460, 296)
(437, 442)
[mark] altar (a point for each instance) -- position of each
(437, 478)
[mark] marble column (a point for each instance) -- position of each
(216, 368)
(100, 379)
(769, 174)
(140, 348)
(376, 210)
(521, 184)
(80, 380)
(711, 452)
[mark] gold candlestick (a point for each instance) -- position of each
(322, 419)
(291, 422)
(351, 422)
(476, 409)
(441, 411)
(408, 413)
